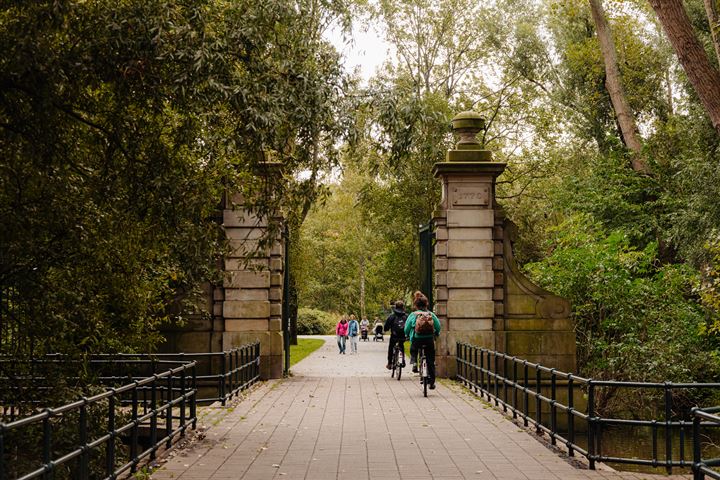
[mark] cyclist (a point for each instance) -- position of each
(422, 326)
(395, 323)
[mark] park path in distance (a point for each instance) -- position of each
(342, 417)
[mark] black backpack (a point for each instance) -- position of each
(398, 325)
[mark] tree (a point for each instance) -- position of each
(613, 81)
(340, 255)
(122, 124)
(704, 78)
(714, 24)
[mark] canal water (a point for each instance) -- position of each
(637, 443)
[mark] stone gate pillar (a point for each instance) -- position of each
(247, 306)
(250, 300)
(480, 295)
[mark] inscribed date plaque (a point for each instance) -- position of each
(470, 195)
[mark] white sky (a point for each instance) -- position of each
(364, 51)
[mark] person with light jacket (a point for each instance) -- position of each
(427, 340)
(353, 332)
(341, 330)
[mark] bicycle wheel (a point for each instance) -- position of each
(424, 373)
(399, 362)
(394, 363)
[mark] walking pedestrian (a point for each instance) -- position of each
(353, 331)
(341, 330)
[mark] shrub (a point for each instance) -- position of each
(315, 322)
(636, 318)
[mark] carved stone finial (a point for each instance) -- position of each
(466, 126)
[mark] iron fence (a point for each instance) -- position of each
(702, 468)
(221, 375)
(546, 398)
(71, 442)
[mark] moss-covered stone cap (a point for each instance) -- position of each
(468, 120)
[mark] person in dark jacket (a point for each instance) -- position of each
(395, 323)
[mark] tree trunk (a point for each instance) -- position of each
(362, 288)
(712, 14)
(704, 78)
(613, 83)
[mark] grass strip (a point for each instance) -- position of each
(304, 348)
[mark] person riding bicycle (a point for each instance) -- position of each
(422, 326)
(395, 323)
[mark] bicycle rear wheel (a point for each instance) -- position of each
(399, 363)
(424, 373)
(394, 364)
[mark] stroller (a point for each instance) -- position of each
(378, 333)
(364, 332)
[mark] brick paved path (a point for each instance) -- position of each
(357, 423)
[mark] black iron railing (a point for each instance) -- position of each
(102, 436)
(221, 375)
(703, 467)
(546, 398)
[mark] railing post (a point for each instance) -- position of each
(668, 438)
(697, 460)
(239, 363)
(110, 448)
(553, 407)
(496, 385)
(231, 374)
(475, 368)
(193, 402)
(482, 373)
(505, 385)
(168, 412)
(591, 424)
(134, 431)
(457, 360)
(222, 377)
(467, 359)
(153, 417)
(571, 417)
(83, 437)
(47, 445)
(526, 395)
(248, 371)
(538, 404)
(515, 387)
(257, 362)
(2, 451)
(183, 404)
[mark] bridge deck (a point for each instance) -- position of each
(367, 426)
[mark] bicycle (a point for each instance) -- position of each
(424, 374)
(398, 360)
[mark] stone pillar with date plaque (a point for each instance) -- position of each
(480, 295)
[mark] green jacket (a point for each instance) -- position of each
(410, 327)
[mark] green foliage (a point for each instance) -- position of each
(315, 322)
(122, 125)
(709, 288)
(635, 319)
(342, 260)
